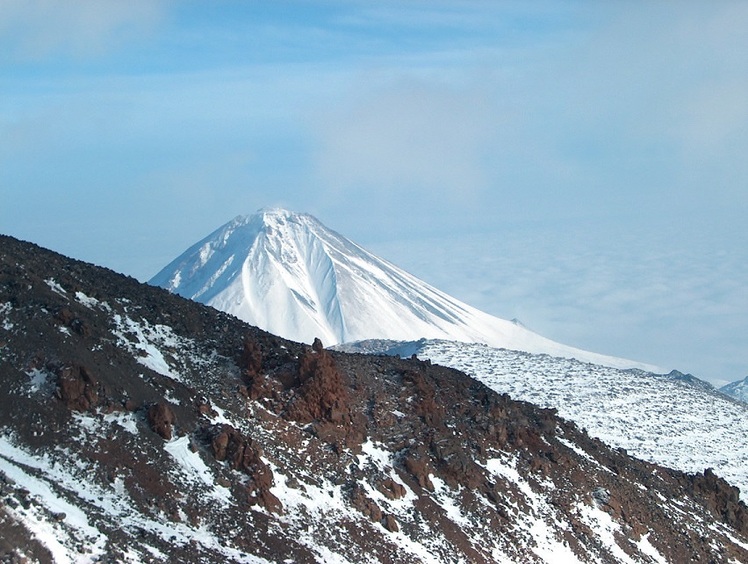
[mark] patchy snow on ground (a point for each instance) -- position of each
(447, 500)
(64, 484)
(55, 287)
(16, 464)
(645, 547)
(38, 379)
(541, 515)
(195, 469)
(90, 302)
(5, 309)
(143, 341)
(606, 529)
(124, 419)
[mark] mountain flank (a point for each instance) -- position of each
(137, 426)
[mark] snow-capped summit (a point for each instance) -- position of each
(289, 274)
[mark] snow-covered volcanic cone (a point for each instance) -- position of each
(290, 275)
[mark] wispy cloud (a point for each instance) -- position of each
(623, 110)
(411, 141)
(659, 89)
(36, 29)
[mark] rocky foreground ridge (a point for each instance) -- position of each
(137, 426)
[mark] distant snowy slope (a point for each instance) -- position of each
(674, 419)
(290, 275)
(738, 390)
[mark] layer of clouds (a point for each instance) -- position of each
(634, 294)
(645, 114)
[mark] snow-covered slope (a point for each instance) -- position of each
(290, 275)
(738, 390)
(671, 419)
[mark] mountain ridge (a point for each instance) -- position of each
(139, 426)
(291, 275)
(671, 419)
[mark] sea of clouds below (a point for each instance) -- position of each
(655, 295)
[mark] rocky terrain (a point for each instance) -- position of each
(136, 426)
(671, 419)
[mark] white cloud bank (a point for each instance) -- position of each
(651, 292)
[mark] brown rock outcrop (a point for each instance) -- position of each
(161, 418)
(77, 387)
(322, 394)
(243, 454)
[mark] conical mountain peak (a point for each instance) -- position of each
(289, 274)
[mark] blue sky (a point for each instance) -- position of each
(579, 165)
